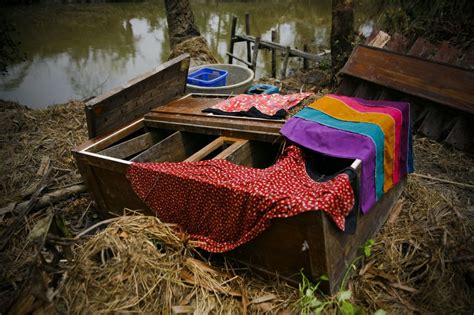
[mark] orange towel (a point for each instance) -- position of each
(339, 110)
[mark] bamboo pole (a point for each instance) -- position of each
(293, 52)
(255, 53)
(247, 31)
(232, 39)
(274, 38)
(285, 62)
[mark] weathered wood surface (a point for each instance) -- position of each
(342, 248)
(175, 148)
(441, 83)
(132, 146)
(188, 110)
(232, 149)
(137, 97)
(185, 114)
(310, 241)
(220, 148)
(190, 104)
(216, 129)
(270, 45)
(429, 118)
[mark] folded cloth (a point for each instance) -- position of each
(396, 117)
(406, 143)
(372, 131)
(269, 106)
(339, 110)
(337, 143)
(224, 205)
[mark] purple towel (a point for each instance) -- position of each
(406, 153)
(337, 143)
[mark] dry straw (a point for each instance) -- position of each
(139, 264)
(422, 259)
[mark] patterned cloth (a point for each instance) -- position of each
(224, 205)
(273, 106)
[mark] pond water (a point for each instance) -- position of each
(74, 51)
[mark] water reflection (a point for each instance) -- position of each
(78, 50)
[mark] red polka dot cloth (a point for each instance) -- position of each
(223, 205)
(269, 106)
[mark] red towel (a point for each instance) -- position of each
(224, 205)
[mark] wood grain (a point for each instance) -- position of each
(138, 96)
(438, 82)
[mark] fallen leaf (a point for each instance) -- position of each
(41, 227)
(182, 309)
(264, 298)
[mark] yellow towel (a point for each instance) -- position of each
(339, 110)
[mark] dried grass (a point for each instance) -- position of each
(422, 262)
(139, 264)
(26, 136)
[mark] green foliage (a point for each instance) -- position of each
(10, 48)
(435, 19)
(368, 248)
(310, 303)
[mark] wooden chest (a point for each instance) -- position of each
(152, 119)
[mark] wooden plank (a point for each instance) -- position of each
(285, 62)
(422, 48)
(273, 52)
(100, 143)
(136, 107)
(90, 180)
(441, 83)
(347, 86)
(242, 123)
(380, 40)
(234, 147)
(232, 38)
(133, 99)
(280, 249)
(208, 149)
(448, 54)
(218, 129)
(239, 59)
(247, 31)
(131, 147)
(436, 123)
(462, 133)
(169, 149)
(341, 249)
(254, 154)
(190, 104)
(117, 192)
(175, 148)
(293, 52)
(256, 46)
(398, 43)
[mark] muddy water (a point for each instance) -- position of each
(75, 51)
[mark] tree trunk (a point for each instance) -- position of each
(342, 32)
(180, 19)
